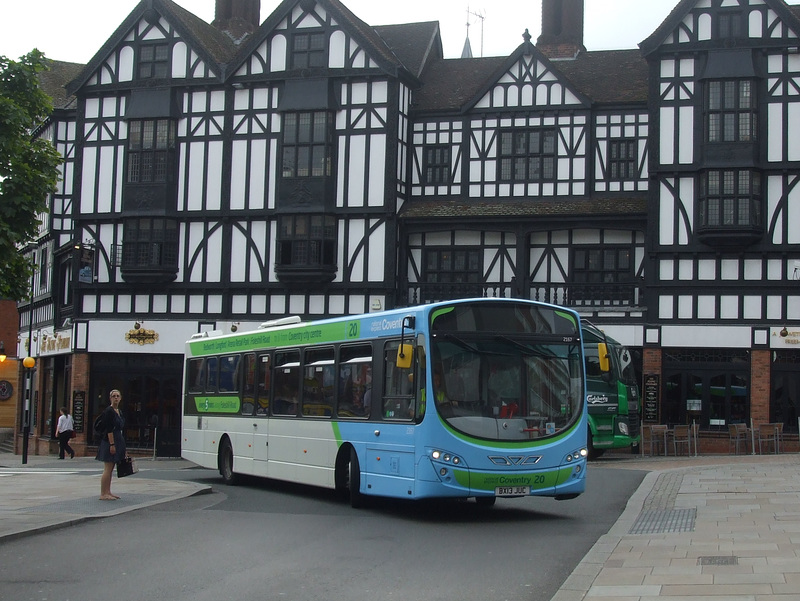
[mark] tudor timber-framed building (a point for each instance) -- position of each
(313, 165)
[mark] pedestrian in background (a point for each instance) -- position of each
(64, 430)
(112, 444)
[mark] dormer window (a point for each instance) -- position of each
(154, 61)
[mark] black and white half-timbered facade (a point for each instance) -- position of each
(218, 175)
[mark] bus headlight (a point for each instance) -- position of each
(623, 428)
(444, 456)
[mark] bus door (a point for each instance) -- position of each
(390, 465)
(258, 373)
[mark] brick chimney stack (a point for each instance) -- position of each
(562, 29)
(237, 18)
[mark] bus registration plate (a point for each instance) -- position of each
(512, 491)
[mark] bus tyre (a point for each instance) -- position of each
(226, 462)
(354, 481)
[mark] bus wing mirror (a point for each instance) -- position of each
(405, 354)
(602, 353)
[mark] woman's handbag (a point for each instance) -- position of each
(126, 467)
(72, 434)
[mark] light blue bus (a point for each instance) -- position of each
(476, 398)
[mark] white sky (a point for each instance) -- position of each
(74, 30)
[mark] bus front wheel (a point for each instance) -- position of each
(354, 481)
(226, 461)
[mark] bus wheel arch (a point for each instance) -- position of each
(225, 461)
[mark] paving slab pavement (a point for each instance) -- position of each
(709, 528)
(48, 493)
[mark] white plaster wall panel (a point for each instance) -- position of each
(685, 307)
(706, 307)
(355, 171)
(105, 184)
(774, 307)
(316, 304)
(686, 143)
(685, 270)
(87, 190)
(272, 174)
(752, 307)
(376, 173)
(793, 213)
(126, 62)
(665, 307)
(195, 188)
(159, 304)
(180, 58)
(215, 256)
(337, 50)
(378, 251)
(775, 211)
(775, 137)
(236, 263)
(141, 303)
(259, 172)
(667, 135)
(793, 307)
(752, 269)
(278, 54)
(729, 269)
(704, 27)
(666, 270)
(353, 233)
(666, 235)
(793, 140)
(240, 167)
(729, 307)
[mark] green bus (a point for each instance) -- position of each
(612, 393)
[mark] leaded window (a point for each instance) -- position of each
(436, 164)
(527, 155)
(307, 241)
(151, 143)
(150, 244)
(731, 111)
(306, 145)
(458, 266)
(154, 61)
(623, 158)
(730, 198)
(309, 50)
(602, 265)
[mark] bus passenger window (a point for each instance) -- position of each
(229, 373)
(195, 375)
(355, 381)
(213, 376)
(318, 380)
(287, 383)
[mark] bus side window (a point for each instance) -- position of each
(264, 376)
(399, 396)
(195, 375)
(355, 381)
(287, 383)
(229, 373)
(318, 381)
(213, 376)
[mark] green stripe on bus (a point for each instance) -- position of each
(217, 404)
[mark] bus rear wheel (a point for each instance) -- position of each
(226, 462)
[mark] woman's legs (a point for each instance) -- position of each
(62, 445)
(105, 482)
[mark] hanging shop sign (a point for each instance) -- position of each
(141, 336)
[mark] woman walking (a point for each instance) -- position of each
(64, 433)
(112, 444)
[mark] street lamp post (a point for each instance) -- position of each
(28, 363)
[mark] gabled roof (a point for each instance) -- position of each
(604, 77)
(212, 45)
(415, 44)
(54, 82)
(366, 35)
(789, 14)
